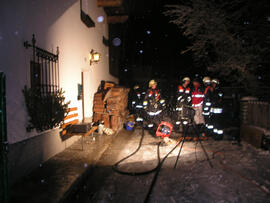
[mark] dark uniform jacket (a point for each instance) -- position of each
(137, 98)
(217, 96)
(153, 102)
(183, 96)
(207, 102)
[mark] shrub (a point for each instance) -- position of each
(45, 110)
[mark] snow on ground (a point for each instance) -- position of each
(240, 173)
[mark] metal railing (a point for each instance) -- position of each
(44, 68)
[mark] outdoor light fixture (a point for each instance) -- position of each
(94, 57)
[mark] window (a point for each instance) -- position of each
(44, 69)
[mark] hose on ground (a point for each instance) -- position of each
(156, 169)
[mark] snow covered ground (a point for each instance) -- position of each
(240, 173)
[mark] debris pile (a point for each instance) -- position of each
(110, 106)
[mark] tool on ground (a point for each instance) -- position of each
(158, 167)
(164, 129)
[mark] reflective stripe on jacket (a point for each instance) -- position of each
(197, 97)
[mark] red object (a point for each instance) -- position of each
(156, 92)
(181, 89)
(197, 97)
(164, 129)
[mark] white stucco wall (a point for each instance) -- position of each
(55, 23)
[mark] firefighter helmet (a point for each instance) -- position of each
(152, 83)
(215, 81)
(206, 79)
(186, 79)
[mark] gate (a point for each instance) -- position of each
(3, 143)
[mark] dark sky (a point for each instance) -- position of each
(152, 44)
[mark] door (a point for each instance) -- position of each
(3, 143)
(87, 89)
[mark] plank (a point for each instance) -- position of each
(70, 116)
(70, 123)
(72, 109)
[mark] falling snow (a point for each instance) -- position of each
(100, 19)
(116, 42)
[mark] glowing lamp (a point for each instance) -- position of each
(94, 57)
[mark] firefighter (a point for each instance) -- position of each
(137, 98)
(216, 110)
(207, 100)
(183, 101)
(197, 104)
(153, 105)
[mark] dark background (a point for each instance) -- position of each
(150, 46)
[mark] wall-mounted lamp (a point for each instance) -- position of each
(94, 57)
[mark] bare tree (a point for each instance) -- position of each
(221, 38)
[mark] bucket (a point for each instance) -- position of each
(129, 126)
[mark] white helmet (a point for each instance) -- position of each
(206, 79)
(215, 80)
(186, 79)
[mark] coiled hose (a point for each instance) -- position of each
(156, 169)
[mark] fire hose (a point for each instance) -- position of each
(156, 169)
(115, 166)
(160, 162)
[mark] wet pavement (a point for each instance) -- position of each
(240, 173)
(57, 177)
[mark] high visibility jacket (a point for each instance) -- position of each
(153, 101)
(197, 97)
(183, 96)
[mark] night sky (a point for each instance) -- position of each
(151, 46)
(148, 46)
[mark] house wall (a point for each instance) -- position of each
(54, 23)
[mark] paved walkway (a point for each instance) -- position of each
(57, 177)
(240, 174)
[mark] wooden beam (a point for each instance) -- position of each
(72, 109)
(109, 3)
(71, 116)
(83, 117)
(117, 19)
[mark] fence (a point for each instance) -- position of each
(256, 113)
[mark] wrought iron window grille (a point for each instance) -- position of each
(44, 68)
